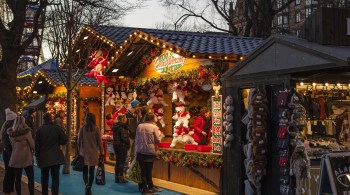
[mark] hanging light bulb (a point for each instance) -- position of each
(314, 84)
(338, 84)
(301, 83)
(326, 84)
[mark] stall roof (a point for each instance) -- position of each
(54, 76)
(194, 42)
(48, 65)
(40, 102)
(281, 53)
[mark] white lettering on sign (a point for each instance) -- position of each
(348, 26)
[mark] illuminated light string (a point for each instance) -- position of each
(326, 85)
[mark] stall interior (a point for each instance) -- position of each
(327, 118)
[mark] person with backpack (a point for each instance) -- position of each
(49, 138)
(22, 153)
(121, 144)
(89, 144)
(9, 177)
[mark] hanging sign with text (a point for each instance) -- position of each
(216, 104)
(335, 174)
(168, 62)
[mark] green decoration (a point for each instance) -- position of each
(146, 60)
(190, 159)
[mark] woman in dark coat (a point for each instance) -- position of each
(9, 178)
(121, 144)
(49, 138)
(89, 144)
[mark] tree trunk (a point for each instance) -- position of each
(8, 76)
(66, 167)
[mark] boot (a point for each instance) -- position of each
(88, 190)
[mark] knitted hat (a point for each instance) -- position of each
(10, 115)
(135, 103)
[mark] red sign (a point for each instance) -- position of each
(216, 111)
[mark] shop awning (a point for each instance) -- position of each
(289, 54)
(37, 103)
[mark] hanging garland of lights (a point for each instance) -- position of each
(189, 159)
(146, 60)
(86, 102)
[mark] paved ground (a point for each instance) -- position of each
(24, 185)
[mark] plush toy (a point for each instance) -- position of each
(116, 92)
(123, 92)
(181, 116)
(98, 63)
(159, 112)
(179, 93)
(109, 97)
(182, 134)
(159, 94)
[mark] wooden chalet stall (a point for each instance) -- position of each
(168, 69)
(301, 70)
(45, 83)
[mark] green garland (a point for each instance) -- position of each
(86, 103)
(146, 60)
(190, 159)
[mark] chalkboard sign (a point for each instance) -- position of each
(335, 174)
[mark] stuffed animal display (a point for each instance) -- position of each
(181, 116)
(156, 97)
(182, 135)
(228, 121)
(179, 92)
(159, 112)
(109, 97)
(99, 60)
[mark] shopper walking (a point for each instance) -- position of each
(9, 177)
(22, 153)
(146, 143)
(49, 137)
(121, 144)
(89, 144)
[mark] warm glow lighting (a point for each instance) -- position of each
(115, 70)
(178, 51)
(241, 58)
(35, 92)
(40, 82)
(314, 84)
(194, 56)
(77, 50)
(157, 43)
(129, 53)
(225, 58)
(176, 55)
(164, 46)
(301, 84)
(338, 84)
(326, 84)
(209, 57)
(86, 37)
(121, 47)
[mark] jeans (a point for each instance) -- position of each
(121, 154)
(18, 179)
(88, 177)
(55, 176)
(9, 178)
(146, 175)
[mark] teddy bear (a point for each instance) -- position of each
(181, 116)
(123, 92)
(109, 97)
(156, 96)
(159, 94)
(183, 135)
(179, 92)
(159, 112)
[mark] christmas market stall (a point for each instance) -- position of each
(45, 83)
(292, 102)
(175, 75)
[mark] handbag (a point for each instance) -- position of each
(78, 163)
(100, 173)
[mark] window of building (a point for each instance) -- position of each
(285, 19)
(279, 20)
(307, 12)
(279, 3)
(297, 2)
(297, 17)
(308, 2)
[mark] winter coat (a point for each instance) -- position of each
(89, 144)
(198, 127)
(6, 139)
(49, 137)
(59, 121)
(146, 138)
(132, 122)
(121, 134)
(22, 147)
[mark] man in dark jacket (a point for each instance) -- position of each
(121, 144)
(49, 137)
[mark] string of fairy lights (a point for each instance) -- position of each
(155, 41)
